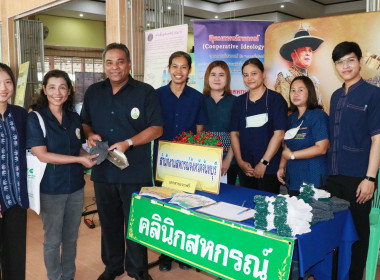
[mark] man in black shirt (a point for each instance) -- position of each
(127, 114)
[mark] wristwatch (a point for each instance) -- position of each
(292, 156)
(130, 144)
(369, 178)
(265, 162)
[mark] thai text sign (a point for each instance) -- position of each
(189, 161)
(181, 184)
(223, 248)
(233, 41)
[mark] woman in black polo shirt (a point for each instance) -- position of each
(63, 182)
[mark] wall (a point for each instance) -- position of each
(9, 9)
(73, 32)
(16, 7)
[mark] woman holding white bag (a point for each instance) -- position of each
(62, 184)
(13, 190)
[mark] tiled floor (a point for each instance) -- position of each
(88, 261)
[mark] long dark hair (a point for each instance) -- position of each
(312, 100)
(212, 65)
(43, 102)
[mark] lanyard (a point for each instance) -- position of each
(246, 103)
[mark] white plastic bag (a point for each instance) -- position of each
(35, 172)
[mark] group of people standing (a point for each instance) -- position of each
(339, 152)
(263, 146)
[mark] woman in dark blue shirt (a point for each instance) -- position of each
(13, 190)
(219, 102)
(63, 182)
(258, 126)
(306, 140)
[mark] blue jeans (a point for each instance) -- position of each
(61, 216)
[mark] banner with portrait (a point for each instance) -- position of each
(231, 41)
(321, 34)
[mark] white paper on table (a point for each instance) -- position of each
(223, 179)
(228, 211)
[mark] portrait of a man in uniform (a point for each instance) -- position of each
(299, 52)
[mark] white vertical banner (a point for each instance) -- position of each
(159, 45)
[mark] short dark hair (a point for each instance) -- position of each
(180, 54)
(117, 46)
(345, 48)
(254, 61)
(312, 100)
(8, 70)
(43, 102)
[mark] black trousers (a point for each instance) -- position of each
(345, 187)
(269, 183)
(13, 243)
(118, 253)
(232, 174)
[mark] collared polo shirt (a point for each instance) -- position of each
(314, 128)
(354, 119)
(120, 116)
(254, 140)
(219, 118)
(13, 189)
(183, 113)
(219, 114)
(64, 139)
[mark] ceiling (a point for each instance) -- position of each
(276, 10)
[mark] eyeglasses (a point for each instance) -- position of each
(349, 60)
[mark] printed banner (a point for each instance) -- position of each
(231, 41)
(21, 84)
(159, 45)
(195, 162)
(225, 249)
(322, 35)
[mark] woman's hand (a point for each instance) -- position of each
(247, 168)
(280, 175)
(87, 160)
(259, 170)
(286, 153)
(225, 166)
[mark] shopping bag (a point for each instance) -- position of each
(35, 172)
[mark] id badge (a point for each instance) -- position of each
(256, 120)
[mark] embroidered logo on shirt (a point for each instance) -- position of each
(300, 136)
(135, 113)
(77, 133)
